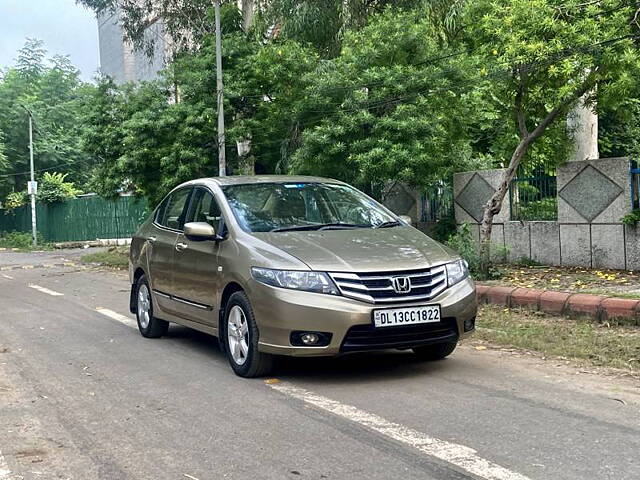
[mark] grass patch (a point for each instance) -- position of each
(21, 241)
(596, 344)
(114, 257)
(609, 293)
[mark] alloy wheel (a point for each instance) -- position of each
(238, 335)
(144, 306)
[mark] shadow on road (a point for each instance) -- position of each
(351, 368)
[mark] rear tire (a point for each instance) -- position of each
(241, 336)
(437, 351)
(149, 326)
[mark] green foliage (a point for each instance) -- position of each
(466, 245)
(632, 218)
(114, 257)
(383, 110)
(21, 241)
(15, 240)
(366, 92)
(548, 50)
(619, 128)
(324, 23)
(51, 89)
(544, 209)
(463, 242)
(149, 143)
(53, 188)
(528, 262)
(14, 200)
(444, 228)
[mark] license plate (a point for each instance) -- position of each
(393, 317)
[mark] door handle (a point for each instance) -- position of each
(152, 239)
(181, 246)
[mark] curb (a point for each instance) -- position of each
(597, 307)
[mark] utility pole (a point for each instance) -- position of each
(32, 189)
(222, 160)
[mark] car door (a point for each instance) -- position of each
(196, 276)
(164, 234)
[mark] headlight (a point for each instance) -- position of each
(317, 282)
(457, 271)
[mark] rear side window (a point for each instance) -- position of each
(172, 212)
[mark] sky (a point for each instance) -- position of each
(65, 27)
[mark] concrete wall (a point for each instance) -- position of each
(401, 199)
(593, 196)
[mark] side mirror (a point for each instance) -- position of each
(200, 231)
(406, 218)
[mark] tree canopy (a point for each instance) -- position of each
(365, 91)
(51, 89)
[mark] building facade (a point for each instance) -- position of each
(120, 61)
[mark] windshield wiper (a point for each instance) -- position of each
(295, 227)
(339, 225)
(392, 223)
(319, 226)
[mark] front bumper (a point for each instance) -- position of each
(279, 312)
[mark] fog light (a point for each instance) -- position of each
(469, 324)
(309, 338)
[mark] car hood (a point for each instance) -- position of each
(361, 250)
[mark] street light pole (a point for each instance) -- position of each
(222, 160)
(32, 187)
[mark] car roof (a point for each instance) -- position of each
(252, 179)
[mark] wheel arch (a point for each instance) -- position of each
(133, 298)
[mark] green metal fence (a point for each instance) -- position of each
(437, 203)
(534, 197)
(84, 218)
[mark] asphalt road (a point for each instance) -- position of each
(83, 396)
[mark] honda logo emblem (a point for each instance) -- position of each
(401, 284)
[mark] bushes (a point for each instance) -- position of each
(631, 219)
(19, 240)
(53, 188)
(463, 242)
(15, 200)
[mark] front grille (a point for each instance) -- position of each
(368, 337)
(377, 287)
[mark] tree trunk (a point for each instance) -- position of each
(494, 205)
(583, 122)
(248, 11)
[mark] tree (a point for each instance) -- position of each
(394, 106)
(144, 143)
(149, 143)
(619, 127)
(52, 90)
(186, 22)
(320, 23)
(553, 53)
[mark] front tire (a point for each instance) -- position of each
(149, 326)
(437, 351)
(241, 339)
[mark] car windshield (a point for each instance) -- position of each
(267, 207)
